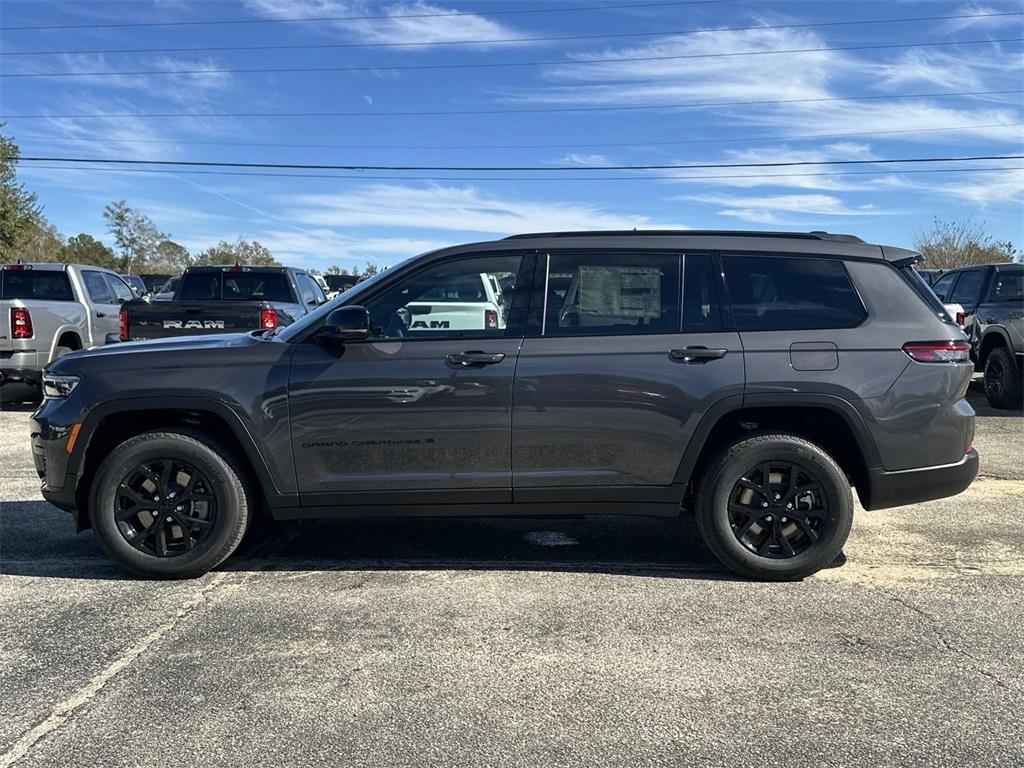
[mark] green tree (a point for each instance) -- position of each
(951, 244)
(86, 249)
(371, 269)
(41, 242)
(20, 212)
(135, 235)
(334, 269)
(242, 251)
(169, 257)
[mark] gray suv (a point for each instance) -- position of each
(749, 377)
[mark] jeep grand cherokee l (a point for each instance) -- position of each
(749, 377)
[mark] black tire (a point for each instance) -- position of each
(61, 351)
(230, 497)
(717, 521)
(1002, 379)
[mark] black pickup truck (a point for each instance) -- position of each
(224, 300)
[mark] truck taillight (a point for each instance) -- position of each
(961, 319)
(122, 323)
(21, 323)
(268, 318)
(938, 351)
(490, 319)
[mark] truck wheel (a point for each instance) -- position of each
(774, 507)
(1002, 379)
(167, 506)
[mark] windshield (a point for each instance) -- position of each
(351, 296)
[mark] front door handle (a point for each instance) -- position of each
(475, 358)
(101, 314)
(692, 355)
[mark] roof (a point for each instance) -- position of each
(816, 235)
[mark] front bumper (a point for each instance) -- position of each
(910, 486)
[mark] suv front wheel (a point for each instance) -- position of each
(774, 507)
(166, 505)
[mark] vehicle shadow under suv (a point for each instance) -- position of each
(39, 540)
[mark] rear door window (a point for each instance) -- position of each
(43, 284)
(944, 285)
(784, 293)
(700, 295)
(968, 288)
(97, 288)
(1007, 286)
(611, 294)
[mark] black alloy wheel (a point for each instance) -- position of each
(165, 507)
(778, 509)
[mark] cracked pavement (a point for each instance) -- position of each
(597, 642)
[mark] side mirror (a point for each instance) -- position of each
(348, 323)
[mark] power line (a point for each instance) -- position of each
(504, 168)
(558, 38)
(646, 177)
(499, 65)
(574, 145)
(306, 20)
(528, 111)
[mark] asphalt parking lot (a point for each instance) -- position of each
(514, 642)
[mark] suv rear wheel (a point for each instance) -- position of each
(167, 506)
(774, 507)
(1002, 379)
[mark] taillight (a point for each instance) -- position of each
(961, 319)
(490, 319)
(122, 322)
(268, 318)
(938, 351)
(21, 323)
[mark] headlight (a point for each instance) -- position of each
(58, 387)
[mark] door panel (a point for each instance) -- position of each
(398, 415)
(614, 410)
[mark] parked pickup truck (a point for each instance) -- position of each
(224, 300)
(47, 310)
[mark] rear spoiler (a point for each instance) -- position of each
(901, 257)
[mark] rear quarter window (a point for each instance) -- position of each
(1007, 287)
(786, 293)
(44, 285)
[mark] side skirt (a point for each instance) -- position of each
(521, 509)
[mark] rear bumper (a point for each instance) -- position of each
(910, 486)
(20, 365)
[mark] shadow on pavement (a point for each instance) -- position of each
(976, 397)
(36, 539)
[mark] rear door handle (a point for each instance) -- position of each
(475, 358)
(692, 355)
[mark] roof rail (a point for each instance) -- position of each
(692, 233)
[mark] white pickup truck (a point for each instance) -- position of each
(477, 303)
(47, 310)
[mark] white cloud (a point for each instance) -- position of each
(983, 21)
(401, 29)
(763, 209)
(451, 208)
(988, 188)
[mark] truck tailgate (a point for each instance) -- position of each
(161, 319)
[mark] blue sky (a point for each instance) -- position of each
(315, 222)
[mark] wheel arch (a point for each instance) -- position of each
(827, 420)
(62, 333)
(993, 337)
(111, 424)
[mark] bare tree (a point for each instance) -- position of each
(951, 244)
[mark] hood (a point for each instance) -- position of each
(125, 350)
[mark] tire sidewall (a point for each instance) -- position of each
(231, 505)
(835, 489)
(1010, 397)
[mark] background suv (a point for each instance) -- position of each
(992, 296)
(750, 377)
